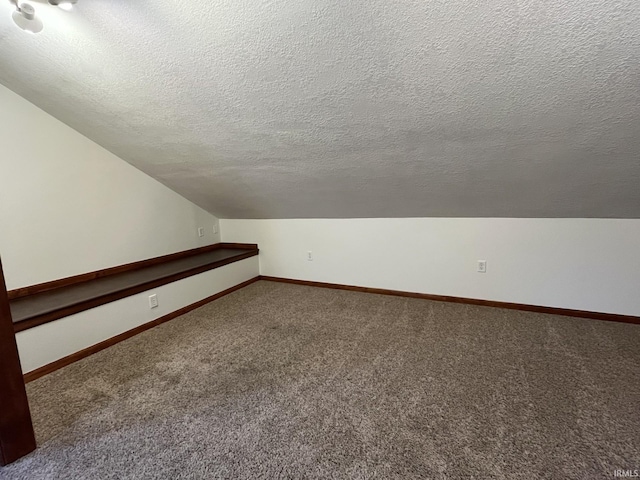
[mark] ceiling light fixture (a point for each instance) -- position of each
(25, 17)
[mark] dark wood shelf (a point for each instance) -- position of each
(38, 308)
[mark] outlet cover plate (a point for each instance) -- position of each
(153, 301)
(482, 266)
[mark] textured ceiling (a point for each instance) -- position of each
(359, 108)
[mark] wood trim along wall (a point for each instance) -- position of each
(612, 317)
(74, 357)
(16, 430)
(85, 277)
(51, 367)
(103, 299)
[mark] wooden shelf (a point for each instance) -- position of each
(33, 306)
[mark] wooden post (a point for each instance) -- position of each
(16, 430)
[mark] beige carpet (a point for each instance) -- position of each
(284, 381)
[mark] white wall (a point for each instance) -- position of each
(586, 264)
(68, 206)
(46, 343)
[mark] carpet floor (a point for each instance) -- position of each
(287, 381)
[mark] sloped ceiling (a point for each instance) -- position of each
(359, 108)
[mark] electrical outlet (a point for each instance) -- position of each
(482, 266)
(310, 256)
(215, 228)
(153, 301)
(200, 232)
